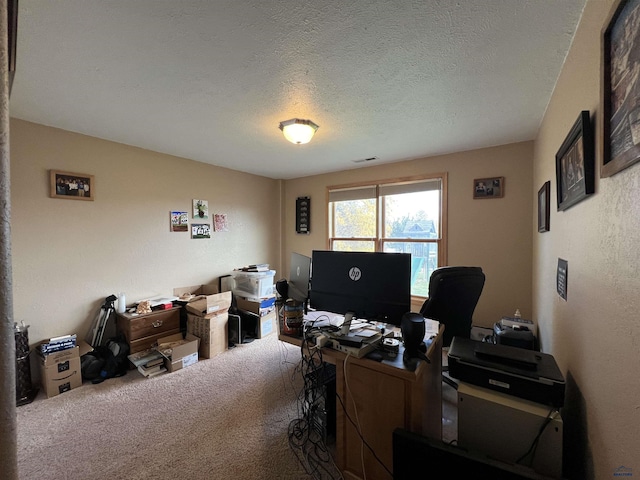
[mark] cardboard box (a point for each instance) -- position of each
(196, 290)
(213, 331)
(61, 371)
(267, 324)
(183, 351)
(210, 305)
(262, 307)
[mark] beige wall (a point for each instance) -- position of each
(492, 233)
(68, 255)
(595, 334)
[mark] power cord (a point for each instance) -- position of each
(356, 424)
(553, 413)
(307, 433)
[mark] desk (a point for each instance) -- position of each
(386, 396)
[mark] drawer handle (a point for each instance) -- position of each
(156, 324)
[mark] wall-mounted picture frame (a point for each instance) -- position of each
(544, 199)
(200, 230)
(70, 185)
(492, 187)
(200, 209)
(179, 221)
(621, 88)
(575, 163)
(303, 215)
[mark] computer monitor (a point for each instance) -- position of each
(374, 286)
(299, 274)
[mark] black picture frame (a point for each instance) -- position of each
(562, 278)
(544, 210)
(303, 215)
(575, 164)
(620, 89)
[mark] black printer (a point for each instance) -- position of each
(523, 373)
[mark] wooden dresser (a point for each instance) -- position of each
(143, 330)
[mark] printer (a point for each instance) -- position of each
(520, 372)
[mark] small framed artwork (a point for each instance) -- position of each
(74, 186)
(562, 274)
(544, 198)
(179, 221)
(200, 209)
(220, 222)
(621, 88)
(200, 230)
(488, 187)
(575, 164)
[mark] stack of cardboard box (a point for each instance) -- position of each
(59, 361)
(207, 318)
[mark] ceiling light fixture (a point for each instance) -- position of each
(298, 131)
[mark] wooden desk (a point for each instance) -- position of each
(386, 396)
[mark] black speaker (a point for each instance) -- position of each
(413, 330)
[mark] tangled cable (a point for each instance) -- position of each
(307, 433)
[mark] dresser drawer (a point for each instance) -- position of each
(159, 323)
(145, 343)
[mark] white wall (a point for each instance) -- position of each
(595, 334)
(68, 255)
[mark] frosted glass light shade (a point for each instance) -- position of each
(298, 131)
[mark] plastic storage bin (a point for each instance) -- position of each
(253, 284)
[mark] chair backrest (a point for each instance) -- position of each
(453, 295)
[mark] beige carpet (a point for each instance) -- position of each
(222, 418)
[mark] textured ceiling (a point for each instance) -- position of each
(211, 80)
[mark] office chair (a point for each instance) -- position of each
(453, 295)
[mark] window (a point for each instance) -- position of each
(395, 216)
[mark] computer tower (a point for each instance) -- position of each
(241, 329)
(323, 407)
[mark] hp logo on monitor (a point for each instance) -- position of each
(355, 274)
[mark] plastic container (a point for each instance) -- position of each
(253, 284)
(122, 303)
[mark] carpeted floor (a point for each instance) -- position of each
(225, 417)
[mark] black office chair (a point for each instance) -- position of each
(453, 295)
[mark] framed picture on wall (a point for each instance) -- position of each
(575, 164)
(69, 185)
(303, 215)
(621, 88)
(544, 197)
(492, 187)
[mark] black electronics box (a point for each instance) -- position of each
(527, 374)
(412, 452)
(515, 337)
